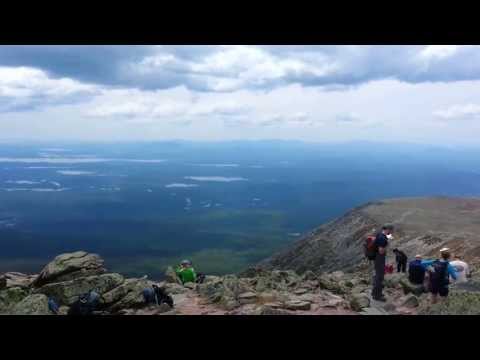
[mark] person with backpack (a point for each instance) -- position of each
(86, 304)
(416, 271)
(186, 273)
(379, 248)
(439, 273)
(401, 259)
(157, 295)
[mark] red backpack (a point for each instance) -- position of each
(369, 247)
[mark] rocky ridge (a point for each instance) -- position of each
(255, 292)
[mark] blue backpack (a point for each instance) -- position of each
(439, 273)
(416, 273)
(53, 306)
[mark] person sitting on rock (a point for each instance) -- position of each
(439, 271)
(186, 273)
(156, 295)
(401, 259)
(461, 268)
(416, 272)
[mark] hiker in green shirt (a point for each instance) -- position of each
(185, 272)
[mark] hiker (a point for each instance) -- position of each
(416, 272)
(186, 273)
(439, 271)
(86, 304)
(401, 259)
(157, 295)
(461, 268)
(380, 244)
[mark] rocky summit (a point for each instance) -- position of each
(322, 274)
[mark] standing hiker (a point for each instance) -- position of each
(401, 259)
(439, 272)
(380, 244)
(461, 268)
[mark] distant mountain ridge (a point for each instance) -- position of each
(423, 226)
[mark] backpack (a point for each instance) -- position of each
(53, 306)
(438, 272)
(370, 249)
(162, 297)
(416, 273)
(86, 304)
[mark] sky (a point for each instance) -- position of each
(428, 94)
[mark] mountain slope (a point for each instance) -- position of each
(423, 225)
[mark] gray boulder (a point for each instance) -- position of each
(247, 298)
(175, 289)
(297, 305)
(190, 285)
(16, 279)
(267, 309)
(359, 301)
(67, 292)
(394, 280)
(171, 276)
(70, 266)
(309, 275)
(9, 297)
(127, 295)
(35, 304)
(410, 301)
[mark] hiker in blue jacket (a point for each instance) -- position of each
(439, 272)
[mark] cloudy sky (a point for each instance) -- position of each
(317, 93)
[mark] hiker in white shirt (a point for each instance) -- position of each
(461, 268)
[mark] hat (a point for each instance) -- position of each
(186, 262)
(418, 256)
(444, 249)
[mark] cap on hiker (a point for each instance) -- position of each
(418, 256)
(445, 249)
(186, 262)
(387, 227)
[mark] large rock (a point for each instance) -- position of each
(67, 292)
(16, 279)
(174, 288)
(190, 285)
(9, 297)
(410, 301)
(247, 298)
(171, 276)
(297, 305)
(35, 304)
(309, 275)
(332, 283)
(394, 280)
(127, 295)
(359, 301)
(70, 266)
(268, 309)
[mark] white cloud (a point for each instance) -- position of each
(467, 111)
(27, 88)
